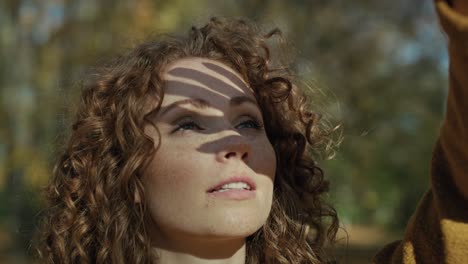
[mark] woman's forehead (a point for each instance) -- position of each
(194, 77)
(205, 65)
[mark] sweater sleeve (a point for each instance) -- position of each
(438, 230)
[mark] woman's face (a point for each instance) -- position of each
(210, 133)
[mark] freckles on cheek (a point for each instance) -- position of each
(174, 172)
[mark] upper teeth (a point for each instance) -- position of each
(235, 185)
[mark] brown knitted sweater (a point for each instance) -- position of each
(438, 230)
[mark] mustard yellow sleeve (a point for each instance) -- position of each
(438, 230)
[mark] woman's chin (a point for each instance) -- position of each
(230, 224)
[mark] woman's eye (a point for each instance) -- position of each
(251, 123)
(189, 125)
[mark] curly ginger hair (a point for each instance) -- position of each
(91, 215)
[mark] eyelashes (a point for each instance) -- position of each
(254, 123)
(189, 123)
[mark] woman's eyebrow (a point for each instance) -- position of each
(202, 103)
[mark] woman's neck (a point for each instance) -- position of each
(200, 251)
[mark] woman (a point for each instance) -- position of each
(199, 150)
(182, 150)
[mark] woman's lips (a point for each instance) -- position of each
(234, 194)
(249, 181)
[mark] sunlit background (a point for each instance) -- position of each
(380, 65)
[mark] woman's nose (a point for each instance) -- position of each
(235, 148)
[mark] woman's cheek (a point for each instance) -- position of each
(265, 158)
(182, 166)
